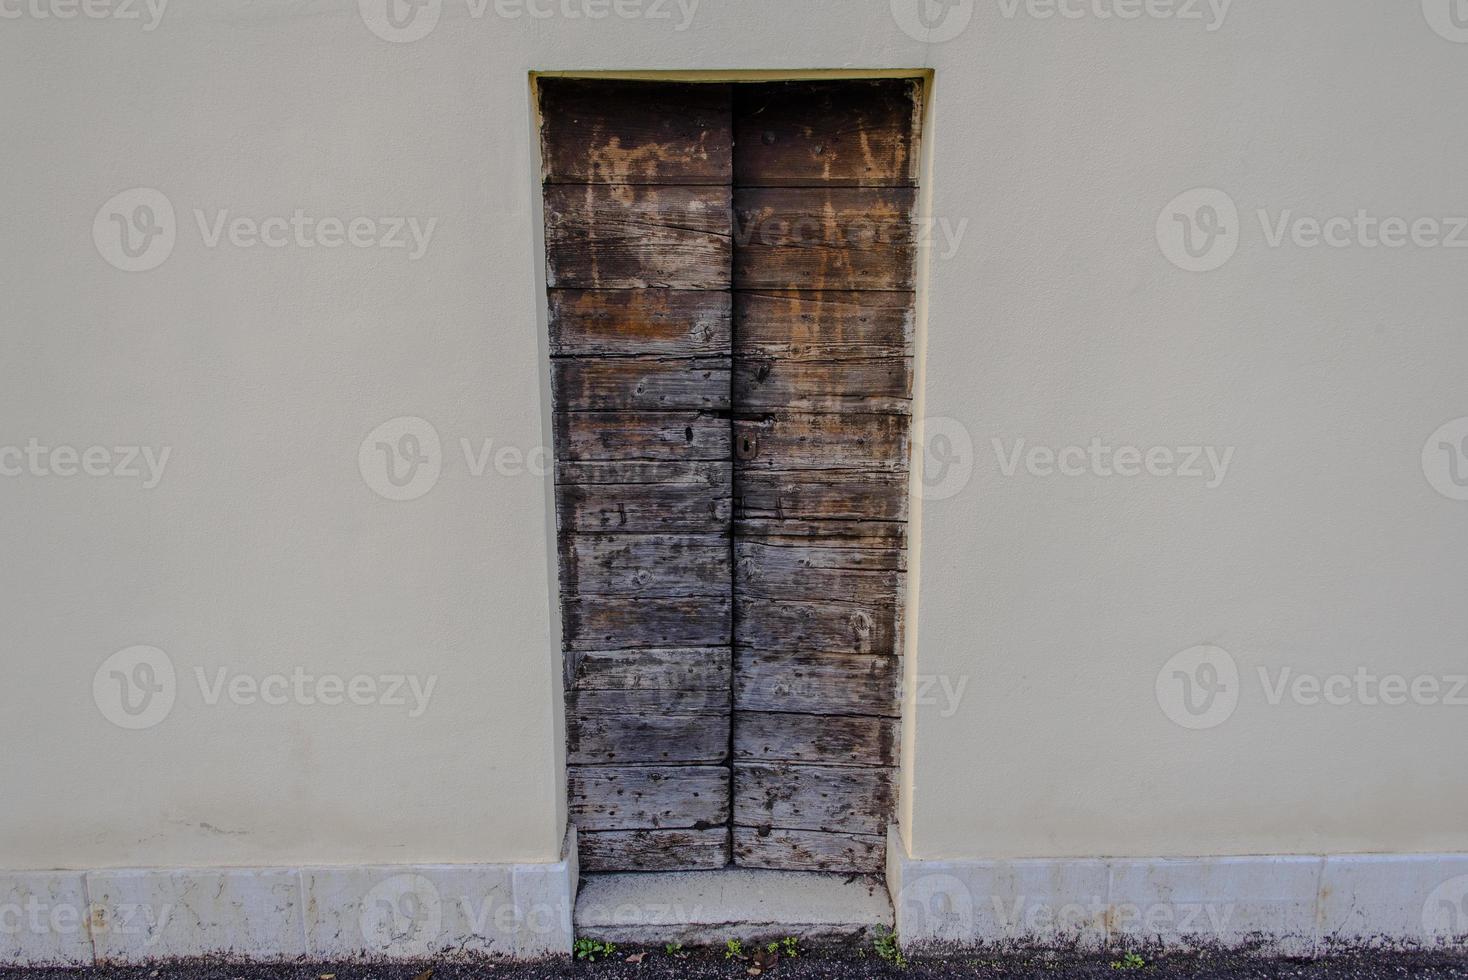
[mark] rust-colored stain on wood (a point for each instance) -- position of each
(731, 272)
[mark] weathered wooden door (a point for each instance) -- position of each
(730, 272)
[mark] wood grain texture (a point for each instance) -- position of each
(619, 622)
(816, 683)
(817, 571)
(696, 668)
(585, 702)
(642, 509)
(827, 132)
(602, 131)
(654, 850)
(622, 322)
(625, 237)
(624, 437)
(640, 383)
(814, 739)
(613, 739)
(824, 238)
(648, 797)
(850, 384)
(800, 441)
(834, 799)
(822, 495)
(835, 533)
(644, 565)
(819, 627)
(715, 474)
(802, 324)
(809, 850)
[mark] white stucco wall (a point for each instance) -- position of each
(1050, 603)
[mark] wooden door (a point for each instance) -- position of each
(825, 180)
(730, 273)
(638, 250)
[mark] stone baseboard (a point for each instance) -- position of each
(1275, 904)
(406, 912)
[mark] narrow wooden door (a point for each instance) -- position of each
(825, 176)
(730, 276)
(638, 246)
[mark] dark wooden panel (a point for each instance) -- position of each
(640, 383)
(838, 132)
(866, 534)
(824, 238)
(820, 325)
(598, 739)
(815, 739)
(818, 627)
(715, 474)
(809, 850)
(642, 509)
(614, 131)
(834, 799)
(644, 565)
(647, 797)
(698, 668)
(848, 385)
(817, 571)
(632, 237)
(618, 322)
(817, 494)
(637, 436)
(597, 701)
(816, 683)
(609, 623)
(798, 441)
(654, 850)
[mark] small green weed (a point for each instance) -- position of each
(592, 950)
(785, 947)
(673, 949)
(886, 947)
(733, 950)
(1131, 961)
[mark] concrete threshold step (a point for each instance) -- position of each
(699, 908)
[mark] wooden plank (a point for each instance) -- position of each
(818, 627)
(648, 797)
(640, 383)
(818, 571)
(834, 799)
(595, 701)
(817, 683)
(644, 565)
(798, 441)
(851, 384)
(638, 436)
(836, 132)
(608, 740)
(609, 623)
(625, 237)
(697, 668)
(715, 474)
(809, 850)
(642, 509)
(815, 739)
(619, 322)
(824, 238)
(826, 533)
(615, 131)
(795, 323)
(654, 850)
(829, 495)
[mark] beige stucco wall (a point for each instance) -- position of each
(1050, 603)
